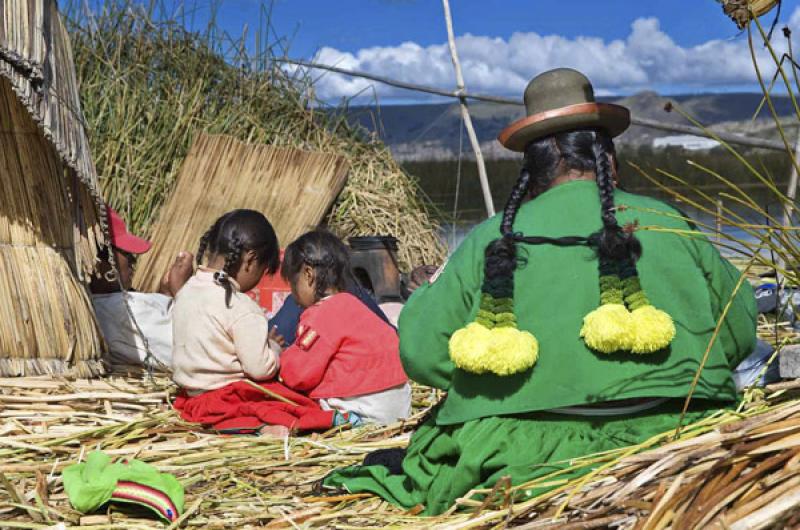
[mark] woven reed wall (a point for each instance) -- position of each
(52, 217)
(293, 188)
(36, 58)
(47, 324)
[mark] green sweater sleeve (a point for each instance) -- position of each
(737, 336)
(435, 311)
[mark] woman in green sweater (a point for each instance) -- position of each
(556, 331)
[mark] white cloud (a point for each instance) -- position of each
(646, 58)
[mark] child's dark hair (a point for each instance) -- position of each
(231, 236)
(545, 159)
(326, 254)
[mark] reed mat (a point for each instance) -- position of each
(293, 188)
(737, 469)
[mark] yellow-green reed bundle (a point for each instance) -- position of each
(148, 87)
(47, 324)
(220, 174)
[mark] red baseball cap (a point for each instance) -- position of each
(122, 239)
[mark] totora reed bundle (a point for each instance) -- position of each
(51, 219)
(293, 188)
(730, 471)
(149, 86)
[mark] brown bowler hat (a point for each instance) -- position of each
(562, 100)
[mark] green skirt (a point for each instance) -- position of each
(445, 462)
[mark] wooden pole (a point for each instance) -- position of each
(473, 138)
(791, 191)
(788, 209)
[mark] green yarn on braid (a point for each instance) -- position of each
(611, 288)
(631, 286)
(504, 305)
(634, 295)
(496, 305)
(505, 320)
(496, 312)
(485, 318)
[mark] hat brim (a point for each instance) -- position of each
(132, 244)
(613, 118)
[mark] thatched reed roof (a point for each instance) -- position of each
(52, 216)
(36, 58)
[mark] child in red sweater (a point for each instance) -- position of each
(344, 355)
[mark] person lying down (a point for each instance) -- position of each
(225, 359)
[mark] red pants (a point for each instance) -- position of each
(242, 408)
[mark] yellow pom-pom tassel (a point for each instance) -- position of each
(470, 348)
(512, 351)
(653, 329)
(502, 351)
(608, 329)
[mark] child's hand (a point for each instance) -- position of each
(277, 337)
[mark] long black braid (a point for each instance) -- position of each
(514, 201)
(613, 243)
(201, 248)
(501, 254)
(546, 159)
(208, 238)
(232, 259)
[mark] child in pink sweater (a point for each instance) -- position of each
(345, 356)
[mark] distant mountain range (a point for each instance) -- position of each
(431, 132)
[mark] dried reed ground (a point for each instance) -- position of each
(746, 471)
(238, 482)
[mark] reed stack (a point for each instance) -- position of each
(149, 86)
(293, 188)
(51, 213)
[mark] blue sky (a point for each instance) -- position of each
(350, 25)
(624, 46)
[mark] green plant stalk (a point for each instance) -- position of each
(781, 132)
(743, 195)
(714, 336)
(707, 209)
(778, 64)
(688, 200)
